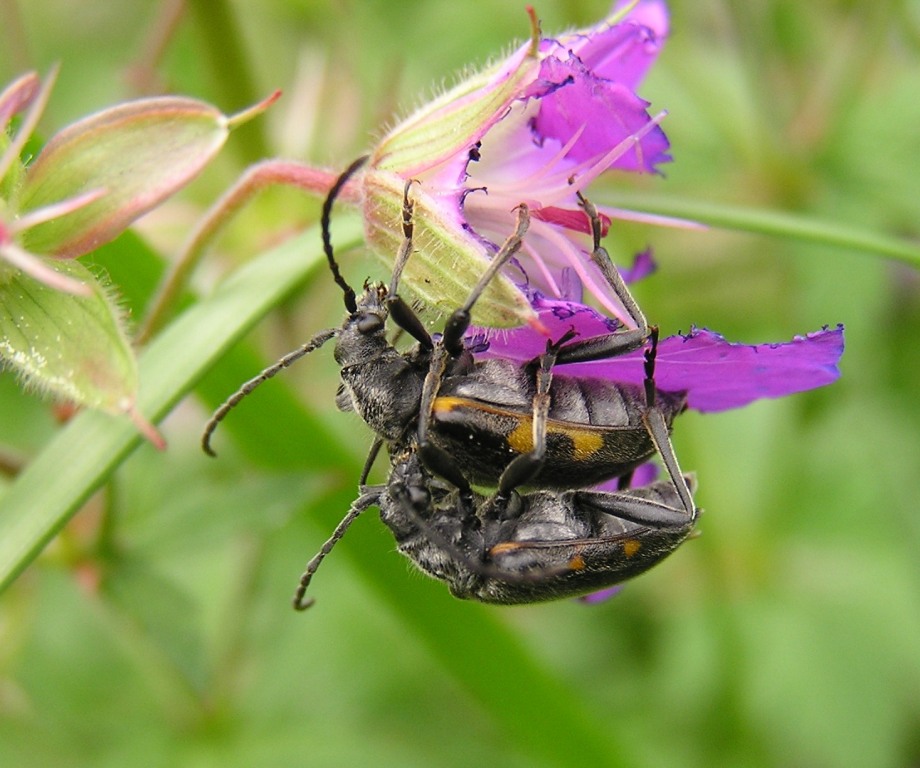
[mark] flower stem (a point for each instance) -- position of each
(769, 222)
(254, 180)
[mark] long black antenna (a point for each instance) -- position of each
(350, 303)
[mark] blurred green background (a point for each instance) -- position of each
(156, 629)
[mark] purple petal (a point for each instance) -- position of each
(625, 52)
(643, 265)
(718, 374)
(601, 595)
(652, 14)
(715, 373)
(558, 317)
(604, 112)
(644, 474)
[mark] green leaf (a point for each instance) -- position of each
(72, 347)
(137, 153)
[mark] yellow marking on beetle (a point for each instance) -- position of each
(631, 546)
(521, 437)
(577, 563)
(505, 546)
(448, 404)
(586, 440)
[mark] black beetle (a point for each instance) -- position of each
(538, 546)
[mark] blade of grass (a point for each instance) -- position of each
(776, 223)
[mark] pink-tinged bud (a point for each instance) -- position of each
(59, 329)
(138, 154)
(17, 96)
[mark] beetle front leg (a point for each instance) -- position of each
(527, 466)
(436, 459)
(620, 341)
(447, 351)
(401, 313)
(460, 319)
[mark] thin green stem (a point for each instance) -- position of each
(768, 222)
(254, 180)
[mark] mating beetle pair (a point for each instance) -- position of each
(450, 421)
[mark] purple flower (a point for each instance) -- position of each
(536, 128)
(716, 374)
(602, 595)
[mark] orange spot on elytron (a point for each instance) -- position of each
(521, 437)
(505, 546)
(447, 404)
(577, 563)
(631, 546)
(586, 440)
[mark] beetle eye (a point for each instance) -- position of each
(370, 323)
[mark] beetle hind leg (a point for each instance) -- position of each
(658, 431)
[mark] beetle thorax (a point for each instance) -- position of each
(381, 384)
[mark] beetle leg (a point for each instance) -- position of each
(525, 467)
(653, 514)
(401, 313)
(658, 430)
(448, 554)
(620, 341)
(437, 460)
(600, 257)
(459, 320)
(369, 461)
